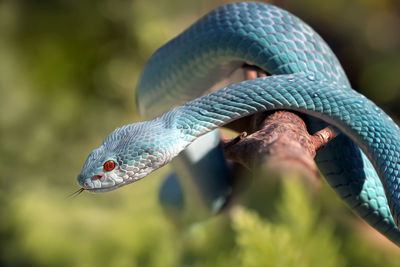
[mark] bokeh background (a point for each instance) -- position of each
(68, 70)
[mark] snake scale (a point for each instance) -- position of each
(362, 164)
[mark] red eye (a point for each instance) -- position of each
(108, 166)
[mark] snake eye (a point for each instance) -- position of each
(109, 165)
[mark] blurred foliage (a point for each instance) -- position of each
(68, 70)
(295, 238)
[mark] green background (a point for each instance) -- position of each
(68, 71)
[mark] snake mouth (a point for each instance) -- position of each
(104, 189)
(93, 182)
(98, 183)
(100, 190)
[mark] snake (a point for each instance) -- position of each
(188, 88)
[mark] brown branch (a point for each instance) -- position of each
(322, 137)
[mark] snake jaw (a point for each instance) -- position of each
(102, 182)
(93, 182)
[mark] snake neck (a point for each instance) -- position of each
(236, 101)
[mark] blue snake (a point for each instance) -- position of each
(362, 164)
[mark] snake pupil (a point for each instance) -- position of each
(109, 165)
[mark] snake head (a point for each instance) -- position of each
(128, 154)
(102, 171)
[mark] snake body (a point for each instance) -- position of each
(362, 164)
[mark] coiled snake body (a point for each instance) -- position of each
(362, 164)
